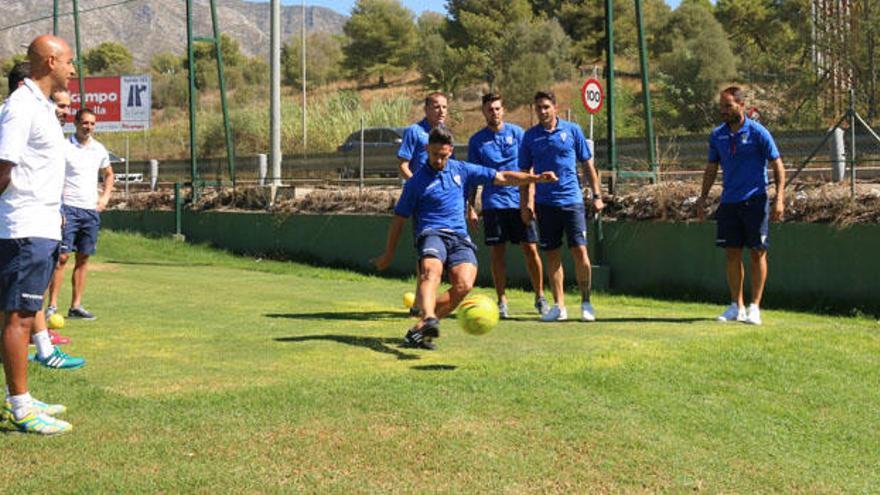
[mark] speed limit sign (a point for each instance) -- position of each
(592, 95)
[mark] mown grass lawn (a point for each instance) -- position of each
(213, 373)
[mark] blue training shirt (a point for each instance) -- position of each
(743, 156)
(558, 151)
(414, 146)
(499, 151)
(435, 199)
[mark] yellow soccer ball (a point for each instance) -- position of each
(478, 314)
(56, 322)
(409, 299)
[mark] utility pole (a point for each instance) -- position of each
(275, 90)
(305, 126)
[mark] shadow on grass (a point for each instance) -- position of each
(341, 315)
(648, 319)
(377, 344)
(434, 367)
(155, 263)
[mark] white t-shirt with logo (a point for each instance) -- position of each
(31, 138)
(81, 172)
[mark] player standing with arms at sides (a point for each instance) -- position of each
(45, 339)
(557, 145)
(31, 180)
(435, 198)
(413, 148)
(743, 148)
(497, 146)
(81, 207)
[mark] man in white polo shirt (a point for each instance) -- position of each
(31, 180)
(81, 207)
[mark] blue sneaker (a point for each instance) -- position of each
(79, 313)
(59, 360)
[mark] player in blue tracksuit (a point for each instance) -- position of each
(435, 198)
(497, 146)
(558, 145)
(744, 149)
(413, 148)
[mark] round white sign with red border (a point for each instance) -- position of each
(592, 95)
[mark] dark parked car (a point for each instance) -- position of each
(374, 137)
(380, 152)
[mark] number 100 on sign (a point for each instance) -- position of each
(592, 95)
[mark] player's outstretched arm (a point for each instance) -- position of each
(384, 261)
(708, 179)
(514, 178)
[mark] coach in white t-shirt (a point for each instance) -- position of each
(81, 206)
(31, 181)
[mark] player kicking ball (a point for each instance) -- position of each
(435, 198)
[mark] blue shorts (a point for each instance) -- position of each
(744, 224)
(80, 232)
(554, 220)
(449, 247)
(505, 225)
(26, 266)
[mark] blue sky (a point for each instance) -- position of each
(417, 6)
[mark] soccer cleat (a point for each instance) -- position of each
(416, 340)
(542, 305)
(80, 313)
(753, 315)
(41, 424)
(503, 312)
(556, 313)
(51, 310)
(733, 313)
(38, 407)
(430, 328)
(587, 312)
(415, 311)
(57, 338)
(59, 360)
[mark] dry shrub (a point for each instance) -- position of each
(668, 201)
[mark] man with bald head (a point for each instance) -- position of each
(31, 180)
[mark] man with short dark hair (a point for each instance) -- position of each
(31, 179)
(413, 152)
(81, 207)
(744, 149)
(435, 198)
(557, 145)
(62, 105)
(17, 75)
(497, 146)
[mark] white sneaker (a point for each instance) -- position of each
(753, 316)
(733, 313)
(555, 314)
(502, 310)
(587, 312)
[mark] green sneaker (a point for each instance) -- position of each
(59, 360)
(41, 424)
(38, 406)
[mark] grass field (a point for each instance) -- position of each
(210, 373)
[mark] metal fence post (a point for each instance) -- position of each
(361, 174)
(838, 155)
(154, 174)
(262, 167)
(178, 213)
